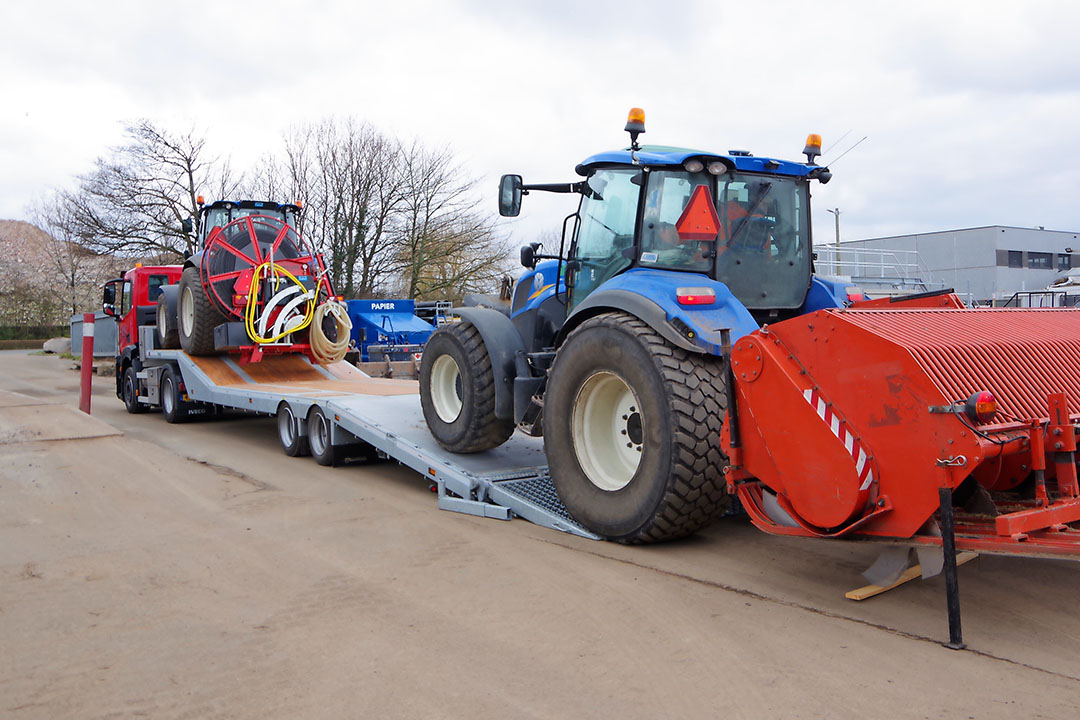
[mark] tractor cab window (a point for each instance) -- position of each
(672, 234)
(605, 238)
(763, 248)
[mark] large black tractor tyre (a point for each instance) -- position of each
(632, 432)
(197, 315)
(129, 391)
(457, 391)
(168, 334)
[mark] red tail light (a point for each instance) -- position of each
(695, 296)
(981, 407)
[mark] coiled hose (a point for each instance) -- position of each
(325, 351)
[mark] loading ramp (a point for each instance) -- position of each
(507, 482)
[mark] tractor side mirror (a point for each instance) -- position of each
(108, 297)
(186, 226)
(510, 192)
(528, 255)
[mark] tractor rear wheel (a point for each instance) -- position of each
(197, 315)
(457, 391)
(168, 336)
(632, 432)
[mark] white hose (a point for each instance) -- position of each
(327, 352)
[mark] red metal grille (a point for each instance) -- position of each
(1020, 355)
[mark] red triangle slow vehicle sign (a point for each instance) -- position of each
(699, 220)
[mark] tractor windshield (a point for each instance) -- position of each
(752, 229)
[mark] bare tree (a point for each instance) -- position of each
(135, 201)
(346, 175)
(72, 266)
(447, 247)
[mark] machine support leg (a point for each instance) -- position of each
(952, 584)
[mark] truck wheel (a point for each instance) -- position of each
(170, 398)
(292, 441)
(129, 390)
(318, 436)
(457, 391)
(197, 316)
(168, 336)
(632, 432)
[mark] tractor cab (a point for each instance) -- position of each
(221, 212)
(736, 219)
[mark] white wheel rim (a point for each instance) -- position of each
(187, 311)
(608, 431)
(445, 380)
(286, 427)
(161, 315)
(168, 401)
(319, 436)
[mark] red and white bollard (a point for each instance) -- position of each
(87, 361)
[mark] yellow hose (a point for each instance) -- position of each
(252, 305)
(324, 351)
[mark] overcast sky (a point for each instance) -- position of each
(970, 109)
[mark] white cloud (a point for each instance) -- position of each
(969, 107)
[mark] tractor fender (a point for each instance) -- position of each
(650, 295)
(503, 342)
(825, 293)
(172, 295)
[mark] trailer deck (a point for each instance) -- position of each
(509, 481)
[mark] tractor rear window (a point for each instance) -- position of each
(763, 251)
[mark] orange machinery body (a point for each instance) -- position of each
(849, 421)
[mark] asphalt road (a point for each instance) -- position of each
(194, 571)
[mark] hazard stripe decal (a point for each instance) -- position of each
(845, 436)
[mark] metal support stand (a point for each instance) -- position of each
(952, 589)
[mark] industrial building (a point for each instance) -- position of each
(983, 264)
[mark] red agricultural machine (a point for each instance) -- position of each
(255, 287)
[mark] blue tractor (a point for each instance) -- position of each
(615, 350)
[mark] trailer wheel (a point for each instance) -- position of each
(197, 316)
(319, 437)
(457, 391)
(632, 432)
(293, 442)
(170, 398)
(168, 336)
(130, 393)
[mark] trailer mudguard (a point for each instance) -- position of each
(650, 295)
(503, 342)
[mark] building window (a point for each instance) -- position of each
(1040, 261)
(1064, 262)
(1016, 259)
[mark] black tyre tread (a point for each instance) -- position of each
(207, 317)
(169, 336)
(132, 404)
(696, 390)
(485, 431)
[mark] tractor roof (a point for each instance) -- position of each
(269, 204)
(660, 155)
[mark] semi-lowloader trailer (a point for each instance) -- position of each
(681, 353)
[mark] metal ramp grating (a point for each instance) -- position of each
(540, 492)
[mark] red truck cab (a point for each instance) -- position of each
(132, 299)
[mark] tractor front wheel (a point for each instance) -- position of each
(632, 432)
(168, 336)
(457, 391)
(197, 316)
